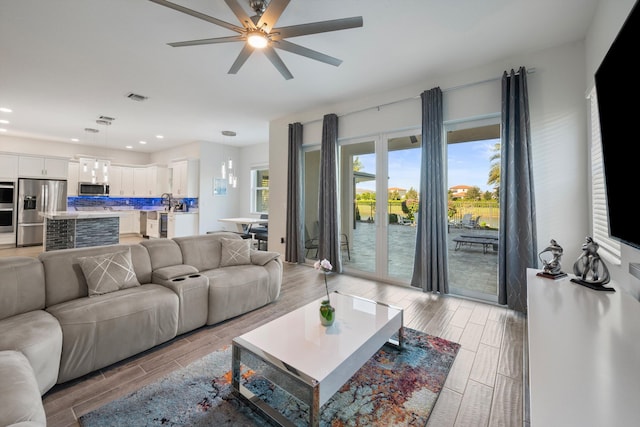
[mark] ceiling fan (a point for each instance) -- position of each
(259, 32)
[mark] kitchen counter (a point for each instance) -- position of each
(80, 214)
(74, 229)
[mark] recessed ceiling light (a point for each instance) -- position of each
(6, 110)
(3, 130)
(4, 122)
(159, 136)
(128, 147)
(143, 142)
(75, 139)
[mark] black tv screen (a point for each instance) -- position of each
(618, 93)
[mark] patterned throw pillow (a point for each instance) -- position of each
(108, 272)
(235, 252)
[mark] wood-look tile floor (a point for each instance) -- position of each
(484, 386)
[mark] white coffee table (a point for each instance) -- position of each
(311, 361)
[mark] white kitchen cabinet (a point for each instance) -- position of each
(153, 229)
(184, 178)
(94, 170)
(121, 181)
(129, 222)
(127, 184)
(115, 181)
(42, 167)
(72, 179)
(8, 166)
(140, 182)
(157, 181)
(182, 224)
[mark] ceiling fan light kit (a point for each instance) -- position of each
(259, 32)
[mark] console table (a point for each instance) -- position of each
(584, 354)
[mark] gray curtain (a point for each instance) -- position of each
(518, 247)
(430, 263)
(294, 246)
(329, 228)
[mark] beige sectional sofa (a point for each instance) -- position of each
(73, 311)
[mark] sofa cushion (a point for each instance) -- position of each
(163, 253)
(37, 335)
(239, 289)
(105, 329)
(22, 285)
(64, 280)
(203, 251)
(234, 252)
(20, 400)
(108, 272)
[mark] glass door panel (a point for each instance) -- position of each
(311, 196)
(473, 156)
(403, 188)
(358, 206)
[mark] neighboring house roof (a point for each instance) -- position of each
(459, 188)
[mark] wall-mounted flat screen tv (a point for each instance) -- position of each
(618, 93)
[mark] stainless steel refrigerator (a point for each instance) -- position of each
(36, 196)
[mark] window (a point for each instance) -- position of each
(260, 190)
(609, 248)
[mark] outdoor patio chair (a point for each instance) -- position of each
(311, 243)
(471, 222)
(403, 220)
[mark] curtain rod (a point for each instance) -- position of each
(450, 89)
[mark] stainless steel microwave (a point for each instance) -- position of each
(90, 189)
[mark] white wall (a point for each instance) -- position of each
(609, 17)
(558, 130)
(214, 207)
(14, 144)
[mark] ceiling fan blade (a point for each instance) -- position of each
(199, 15)
(240, 14)
(316, 27)
(272, 14)
(309, 53)
(277, 62)
(241, 59)
(228, 39)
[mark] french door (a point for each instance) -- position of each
(379, 187)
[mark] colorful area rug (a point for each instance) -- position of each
(394, 388)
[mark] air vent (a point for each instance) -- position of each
(104, 122)
(106, 118)
(91, 130)
(135, 97)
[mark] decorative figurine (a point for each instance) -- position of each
(587, 267)
(551, 266)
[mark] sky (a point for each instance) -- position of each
(468, 164)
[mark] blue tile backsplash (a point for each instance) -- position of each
(136, 202)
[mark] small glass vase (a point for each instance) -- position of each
(327, 313)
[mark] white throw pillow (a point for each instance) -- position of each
(235, 252)
(108, 272)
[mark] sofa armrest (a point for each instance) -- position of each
(263, 257)
(20, 400)
(167, 273)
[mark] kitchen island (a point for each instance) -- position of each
(69, 229)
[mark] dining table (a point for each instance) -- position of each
(244, 224)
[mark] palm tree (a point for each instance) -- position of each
(494, 171)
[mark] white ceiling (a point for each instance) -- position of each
(64, 63)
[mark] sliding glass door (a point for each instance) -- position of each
(473, 156)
